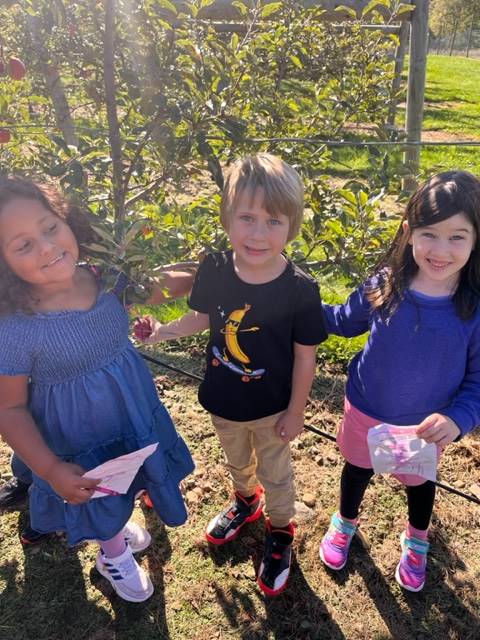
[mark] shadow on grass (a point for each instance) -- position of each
(296, 613)
(435, 612)
(53, 601)
(49, 600)
(136, 621)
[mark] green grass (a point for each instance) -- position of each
(452, 108)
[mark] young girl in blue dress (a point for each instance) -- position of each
(74, 393)
(421, 362)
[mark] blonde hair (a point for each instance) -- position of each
(281, 184)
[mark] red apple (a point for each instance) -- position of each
(16, 69)
(4, 136)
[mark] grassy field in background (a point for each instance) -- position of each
(452, 113)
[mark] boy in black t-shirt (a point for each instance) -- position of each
(265, 320)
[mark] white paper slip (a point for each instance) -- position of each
(395, 449)
(117, 475)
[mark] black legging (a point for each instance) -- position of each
(355, 481)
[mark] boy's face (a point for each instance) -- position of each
(257, 238)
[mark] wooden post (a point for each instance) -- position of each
(416, 89)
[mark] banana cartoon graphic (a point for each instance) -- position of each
(231, 330)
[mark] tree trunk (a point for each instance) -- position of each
(54, 84)
(470, 33)
(112, 116)
(452, 43)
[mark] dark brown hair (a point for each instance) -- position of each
(441, 197)
(15, 294)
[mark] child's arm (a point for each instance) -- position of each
(348, 319)
(150, 331)
(20, 431)
(171, 285)
(291, 422)
(463, 413)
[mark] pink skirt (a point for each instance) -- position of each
(352, 442)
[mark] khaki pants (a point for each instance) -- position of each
(254, 453)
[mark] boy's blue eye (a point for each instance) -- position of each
(274, 222)
(52, 227)
(246, 218)
(458, 238)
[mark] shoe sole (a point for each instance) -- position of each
(120, 594)
(397, 571)
(218, 542)
(330, 566)
(271, 592)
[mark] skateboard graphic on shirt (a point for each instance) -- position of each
(233, 349)
(246, 374)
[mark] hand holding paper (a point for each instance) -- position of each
(117, 475)
(439, 429)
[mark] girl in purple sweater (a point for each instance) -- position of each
(421, 362)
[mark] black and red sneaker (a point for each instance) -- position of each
(31, 536)
(275, 567)
(227, 524)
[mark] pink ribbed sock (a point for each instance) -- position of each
(114, 547)
(421, 534)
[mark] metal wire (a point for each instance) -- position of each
(307, 427)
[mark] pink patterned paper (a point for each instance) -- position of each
(395, 449)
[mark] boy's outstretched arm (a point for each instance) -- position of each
(150, 331)
(171, 284)
(291, 422)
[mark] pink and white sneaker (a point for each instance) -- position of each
(336, 542)
(411, 570)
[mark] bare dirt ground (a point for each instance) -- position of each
(53, 593)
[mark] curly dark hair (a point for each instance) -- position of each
(15, 294)
(439, 198)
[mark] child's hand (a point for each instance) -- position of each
(289, 425)
(438, 429)
(66, 480)
(144, 329)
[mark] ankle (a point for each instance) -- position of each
(412, 532)
(353, 521)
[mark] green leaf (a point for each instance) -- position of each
(296, 61)
(242, 8)
(404, 8)
(348, 10)
(166, 4)
(99, 248)
(269, 9)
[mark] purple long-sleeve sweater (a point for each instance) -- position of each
(425, 360)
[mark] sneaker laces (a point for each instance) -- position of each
(339, 539)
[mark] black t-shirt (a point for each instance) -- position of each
(252, 330)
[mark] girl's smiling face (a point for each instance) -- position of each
(441, 251)
(38, 246)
